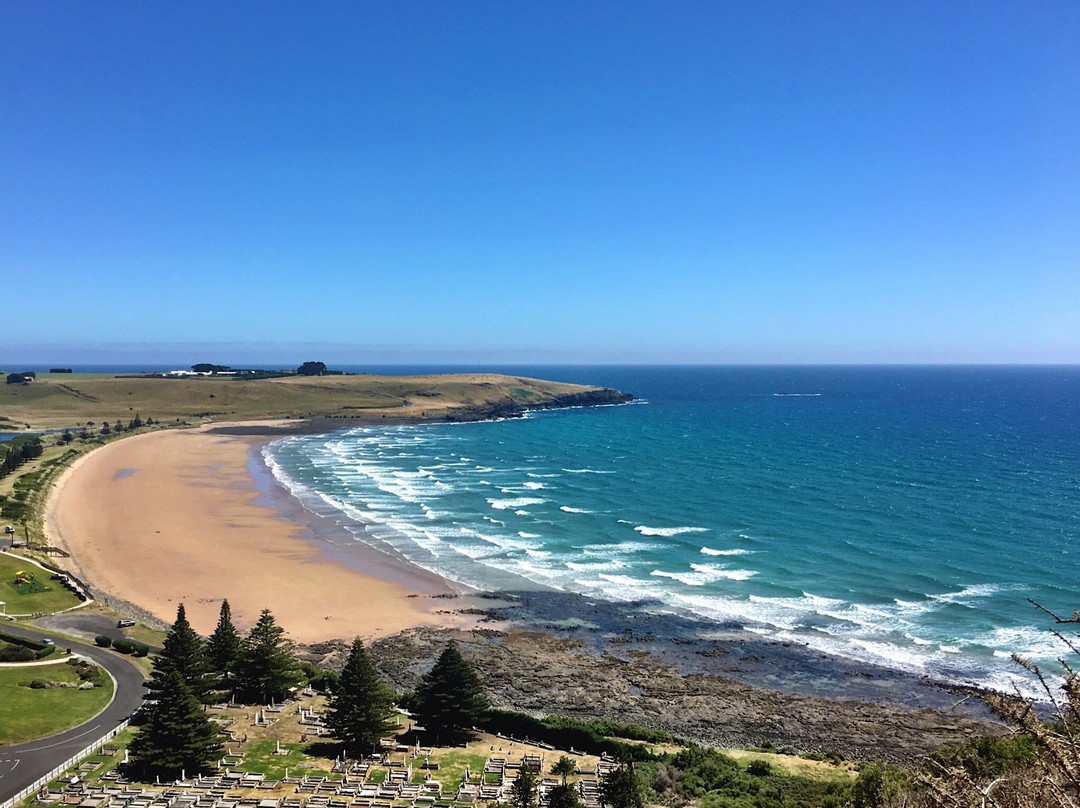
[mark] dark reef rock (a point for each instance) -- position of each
(509, 408)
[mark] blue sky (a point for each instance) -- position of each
(550, 182)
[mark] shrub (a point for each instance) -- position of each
(568, 732)
(141, 649)
(103, 641)
(39, 684)
(124, 646)
(759, 768)
(15, 653)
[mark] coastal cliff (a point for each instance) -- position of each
(511, 408)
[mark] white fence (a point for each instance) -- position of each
(30, 789)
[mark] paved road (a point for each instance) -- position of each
(22, 764)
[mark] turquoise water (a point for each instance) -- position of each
(901, 516)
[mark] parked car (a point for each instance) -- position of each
(124, 623)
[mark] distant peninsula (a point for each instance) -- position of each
(75, 401)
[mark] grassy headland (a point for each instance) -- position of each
(59, 401)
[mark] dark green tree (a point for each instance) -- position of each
(564, 767)
(450, 699)
(361, 708)
(620, 788)
(523, 790)
(224, 645)
(564, 796)
(177, 736)
(184, 652)
(267, 667)
(311, 369)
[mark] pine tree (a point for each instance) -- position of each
(267, 667)
(450, 699)
(224, 644)
(523, 791)
(183, 651)
(620, 789)
(564, 767)
(177, 735)
(564, 796)
(361, 707)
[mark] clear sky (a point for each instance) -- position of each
(541, 181)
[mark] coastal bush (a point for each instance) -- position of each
(319, 678)
(40, 650)
(1039, 767)
(986, 756)
(759, 768)
(102, 641)
(565, 733)
(124, 646)
(15, 653)
(711, 779)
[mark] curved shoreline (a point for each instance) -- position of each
(168, 517)
(165, 517)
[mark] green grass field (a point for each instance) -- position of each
(26, 714)
(61, 400)
(41, 594)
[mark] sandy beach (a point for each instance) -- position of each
(170, 517)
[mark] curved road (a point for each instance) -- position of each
(22, 764)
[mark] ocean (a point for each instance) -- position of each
(900, 516)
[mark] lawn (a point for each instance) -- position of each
(26, 713)
(262, 758)
(41, 594)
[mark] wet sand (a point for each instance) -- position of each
(177, 516)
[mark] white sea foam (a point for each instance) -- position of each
(622, 547)
(587, 471)
(737, 552)
(525, 535)
(624, 580)
(668, 531)
(534, 475)
(532, 569)
(579, 566)
(516, 502)
(534, 486)
(568, 509)
(968, 592)
(702, 574)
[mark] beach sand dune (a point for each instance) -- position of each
(170, 517)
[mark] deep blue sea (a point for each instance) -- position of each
(897, 515)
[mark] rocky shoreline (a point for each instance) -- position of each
(710, 684)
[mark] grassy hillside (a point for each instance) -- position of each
(65, 400)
